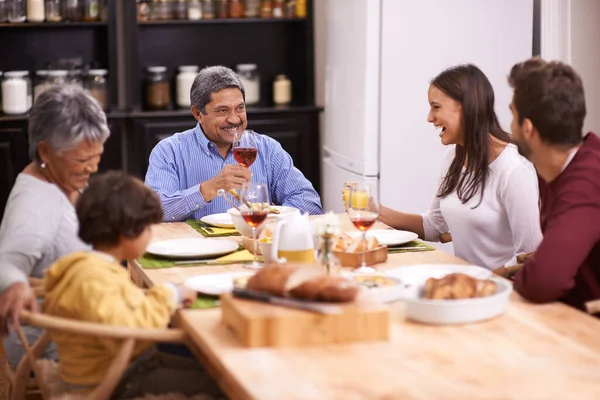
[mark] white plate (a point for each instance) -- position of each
(382, 294)
(388, 237)
(222, 220)
(214, 284)
(443, 312)
(192, 248)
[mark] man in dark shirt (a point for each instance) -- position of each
(548, 109)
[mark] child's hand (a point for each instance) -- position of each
(188, 296)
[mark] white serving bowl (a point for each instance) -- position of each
(245, 230)
(463, 311)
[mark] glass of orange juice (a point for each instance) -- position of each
(346, 192)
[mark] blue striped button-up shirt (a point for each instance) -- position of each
(180, 163)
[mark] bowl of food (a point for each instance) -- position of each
(275, 213)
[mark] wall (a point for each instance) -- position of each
(585, 55)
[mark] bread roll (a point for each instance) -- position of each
(326, 288)
(271, 279)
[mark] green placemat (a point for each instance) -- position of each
(415, 245)
(205, 302)
(202, 227)
(148, 261)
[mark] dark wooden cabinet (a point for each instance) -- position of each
(13, 155)
(126, 47)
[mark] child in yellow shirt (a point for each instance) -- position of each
(115, 215)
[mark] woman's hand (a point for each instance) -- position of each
(15, 299)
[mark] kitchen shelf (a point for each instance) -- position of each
(221, 21)
(53, 24)
(249, 110)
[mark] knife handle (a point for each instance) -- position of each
(252, 295)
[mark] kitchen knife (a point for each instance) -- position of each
(280, 301)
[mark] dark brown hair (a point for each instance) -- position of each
(116, 206)
(470, 87)
(551, 95)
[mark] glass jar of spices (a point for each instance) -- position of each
(222, 9)
(252, 8)
(73, 10)
(290, 9)
(143, 10)
(16, 92)
(54, 12)
(266, 9)
(158, 90)
(56, 77)
(41, 83)
(91, 10)
(208, 9)
(181, 9)
(278, 8)
(236, 9)
(248, 75)
(16, 11)
(3, 11)
(184, 81)
(75, 77)
(97, 84)
(35, 11)
(194, 11)
(160, 10)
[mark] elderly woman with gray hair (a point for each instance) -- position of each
(67, 131)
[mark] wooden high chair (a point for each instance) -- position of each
(103, 391)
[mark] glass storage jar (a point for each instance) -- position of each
(184, 81)
(181, 9)
(75, 77)
(194, 11)
(222, 9)
(236, 9)
(208, 9)
(54, 11)
(160, 10)
(56, 77)
(16, 92)
(72, 10)
(3, 11)
(97, 84)
(158, 90)
(35, 11)
(91, 10)
(252, 8)
(16, 11)
(41, 83)
(248, 74)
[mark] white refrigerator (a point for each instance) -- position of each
(380, 57)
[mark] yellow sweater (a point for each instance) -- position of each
(86, 286)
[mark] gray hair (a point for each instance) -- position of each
(64, 116)
(211, 80)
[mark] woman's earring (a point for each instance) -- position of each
(43, 165)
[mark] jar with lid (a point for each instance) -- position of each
(3, 11)
(266, 9)
(184, 81)
(143, 10)
(301, 8)
(290, 9)
(158, 90)
(248, 75)
(236, 9)
(75, 77)
(181, 9)
(16, 11)
(35, 11)
(56, 77)
(72, 10)
(278, 8)
(252, 8)
(91, 10)
(208, 9)
(54, 11)
(222, 9)
(282, 90)
(41, 83)
(16, 92)
(97, 84)
(194, 11)
(160, 10)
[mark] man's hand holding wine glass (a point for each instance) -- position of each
(232, 176)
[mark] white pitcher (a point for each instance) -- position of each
(293, 240)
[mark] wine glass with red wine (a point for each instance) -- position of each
(245, 147)
(363, 210)
(254, 209)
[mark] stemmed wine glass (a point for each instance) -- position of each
(245, 147)
(254, 209)
(363, 210)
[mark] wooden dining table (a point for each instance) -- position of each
(532, 351)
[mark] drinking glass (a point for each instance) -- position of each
(254, 209)
(245, 147)
(346, 193)
(363, 210)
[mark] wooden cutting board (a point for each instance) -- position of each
(259, 324)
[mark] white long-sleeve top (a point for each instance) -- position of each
(506, 222)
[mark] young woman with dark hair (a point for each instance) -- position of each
(487, 197)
